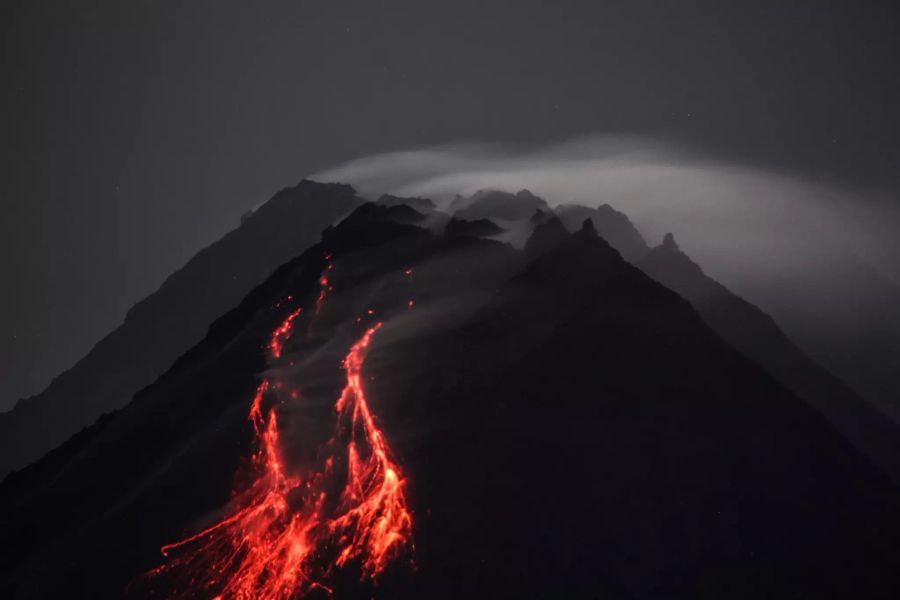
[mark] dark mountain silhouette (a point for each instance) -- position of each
(476, 228)
(622, 449)
(547, 233)
(858, 340)
(569, 427)
(755, 334)
(613, 226)
(861, 341)
(495, 204)
(171, 320)
(422, 205)
(376, 212)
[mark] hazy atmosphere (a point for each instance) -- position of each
(316, 300)
(136, 133)
(739, 220)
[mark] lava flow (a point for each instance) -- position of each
(281, 334)
(285, 534)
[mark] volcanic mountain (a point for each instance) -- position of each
(757, 336)
(407, 414)
(613, 226)
(856, 335)
(171, 320)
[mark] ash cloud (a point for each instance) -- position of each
(745, 224)
(822, 259)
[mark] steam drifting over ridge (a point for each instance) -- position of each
(743, 223)
(726, 214)
(821, 259)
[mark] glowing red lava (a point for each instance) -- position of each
(324, 285)
(276, 342)
(373, 519)
(285, 535)
(324, 288)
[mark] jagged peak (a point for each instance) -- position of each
(548, 232)
(538, 217)
(588, 229)
(474, 228)
(669, 242)
(498, 204)
(335, 186)
(371, 212)
(416, 202)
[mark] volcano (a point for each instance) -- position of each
(170, 321)
(402, 411)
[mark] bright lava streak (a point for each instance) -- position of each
(285, 535)
(276, 342)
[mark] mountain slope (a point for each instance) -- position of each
(567, 426)
(616, 447)
(846, 316)
(171, 320)
(498, 205)
(614, 227)
(757, 336)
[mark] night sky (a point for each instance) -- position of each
(134, 133)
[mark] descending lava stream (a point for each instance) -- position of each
(285, 535)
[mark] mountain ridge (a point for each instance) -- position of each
(576, 422)
(157, 329)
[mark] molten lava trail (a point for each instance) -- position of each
(287, 534)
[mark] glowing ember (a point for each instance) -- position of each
(285, 534)
(281, 303)
(276, 342)
(324, 285)
(323, 291)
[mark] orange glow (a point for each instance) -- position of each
(285, 535)
(324, 286)
(281, 333)
(373, 518)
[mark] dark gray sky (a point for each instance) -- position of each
(136, 132)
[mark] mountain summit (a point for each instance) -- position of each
(514, 423)
(170, 321)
